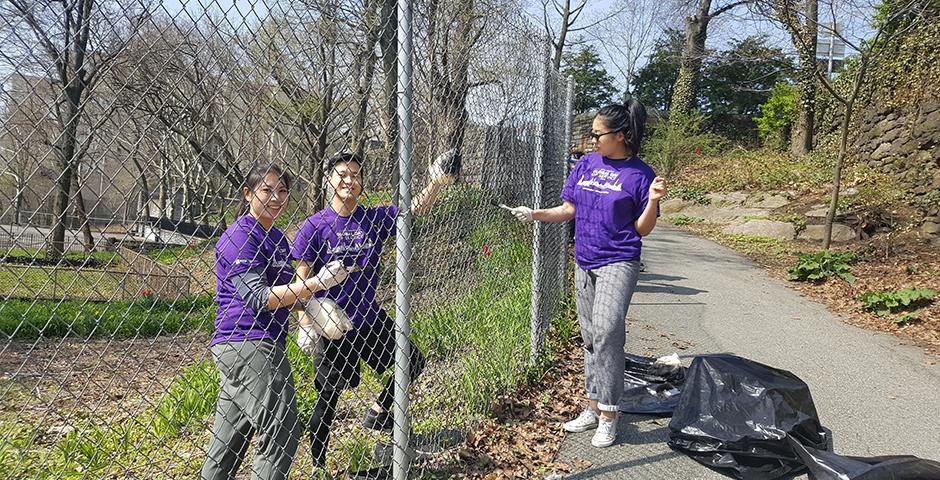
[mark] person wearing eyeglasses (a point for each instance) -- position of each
(255, 294)
(614, 198)
(351, 234)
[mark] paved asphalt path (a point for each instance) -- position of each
(877, 395)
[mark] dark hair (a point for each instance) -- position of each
(629, 118)
(256, 176)
(343, 157)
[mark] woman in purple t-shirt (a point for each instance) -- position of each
(255, 294)
(613, 196)
(353, 235)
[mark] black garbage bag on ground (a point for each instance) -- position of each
(823, 465)
(735, 415)
(650, 388)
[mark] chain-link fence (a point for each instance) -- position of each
(130, 132)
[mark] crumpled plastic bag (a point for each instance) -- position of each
(735, 415)
(651, 386)
(825, 465)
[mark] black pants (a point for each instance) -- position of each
(337, 368)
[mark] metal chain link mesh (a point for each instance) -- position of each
(129, 131)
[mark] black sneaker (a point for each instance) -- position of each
(378, 421)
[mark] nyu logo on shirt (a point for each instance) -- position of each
(602, 181)
(350, 242)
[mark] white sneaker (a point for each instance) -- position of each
(586, 421)
(606, 433)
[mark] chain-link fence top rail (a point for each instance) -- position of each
(128, 129)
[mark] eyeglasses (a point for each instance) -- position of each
(597, 136)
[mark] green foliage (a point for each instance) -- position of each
(893, 301)
(678, 142)
(189, 400)
(689, 193)
(824, 264)
(147, 317)
(654, 82)
(777, 116)
(32, 256)
(732, 85)
(594, 87)
(737, 81)
(906, 318)
(683, 220)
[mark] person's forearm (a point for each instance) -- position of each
(289, 295)
(303, 272)
(426, 198)
(561, 213)
(647, 221)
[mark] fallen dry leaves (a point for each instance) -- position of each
(523, 434)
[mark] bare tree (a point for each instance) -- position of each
(79, 41)
(568, 15)
(630, 34)
(693, 54)
(897, 18)
(179, 80)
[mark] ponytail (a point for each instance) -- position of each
(629, 118)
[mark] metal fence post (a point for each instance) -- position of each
(537, 327)
(402, 457)
(569, 143)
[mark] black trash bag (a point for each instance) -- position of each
(735, 415)
(823, 465)
(650, 388)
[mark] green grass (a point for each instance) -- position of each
(172, 255)
(102, 257)
(681, 219)
(28, 319)
(20, 281)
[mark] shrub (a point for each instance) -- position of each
(777, 117)
(893, 301)
(679, 141)
(819, 266)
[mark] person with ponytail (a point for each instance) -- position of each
(614, 198)
(255, 292)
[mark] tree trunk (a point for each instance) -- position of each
(364, 72)
(849, 107)
(389, 46)
(67, 148)
(801, 142)
(690, 66)
(562, 35)
(82, 215)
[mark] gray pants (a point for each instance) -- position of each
(257, 395)
(603, 296)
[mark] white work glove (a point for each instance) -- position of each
(331, 275)
(522, 213)
(445, 168)
(307, 338)
(329, 320)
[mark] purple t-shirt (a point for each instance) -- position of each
(609, 196)
(355, 240)
(244, 246)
